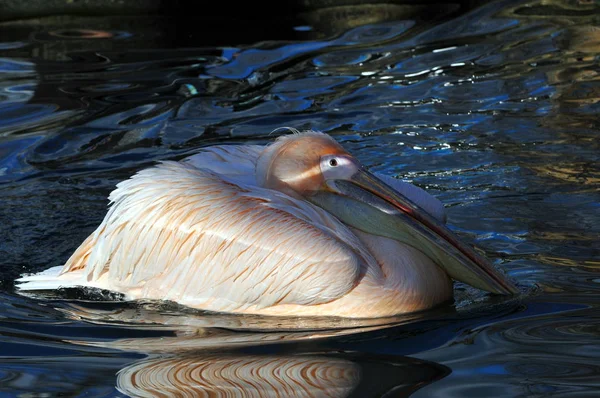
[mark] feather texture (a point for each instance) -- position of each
(186, 234)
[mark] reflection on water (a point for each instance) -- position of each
(249, 376)
(492, 109)
(275, 376)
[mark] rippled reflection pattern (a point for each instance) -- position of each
(493, 109)
(244, 375)
(219, 376)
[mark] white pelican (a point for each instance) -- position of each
(298, 227)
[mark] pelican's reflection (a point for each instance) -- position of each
(200, 356)
(237, 376)
(199, 331)
(220, 355)
(241, 375)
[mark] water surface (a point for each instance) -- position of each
(494, 110)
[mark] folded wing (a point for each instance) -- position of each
(181, 232)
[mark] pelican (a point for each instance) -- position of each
(295, 228)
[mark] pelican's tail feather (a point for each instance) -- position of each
(50, 279)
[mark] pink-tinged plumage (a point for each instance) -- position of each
(218, 232)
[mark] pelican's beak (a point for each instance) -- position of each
(368, 204)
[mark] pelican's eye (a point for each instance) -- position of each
(338, 167)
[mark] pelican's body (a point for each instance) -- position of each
(230, 229)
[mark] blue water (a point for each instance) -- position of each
(493, 109)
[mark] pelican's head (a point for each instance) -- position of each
(303, 163)
(313, 166)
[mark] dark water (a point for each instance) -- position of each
(494, 110)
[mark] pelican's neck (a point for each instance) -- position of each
(412, 281)
(264, 174)
(263, 165)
